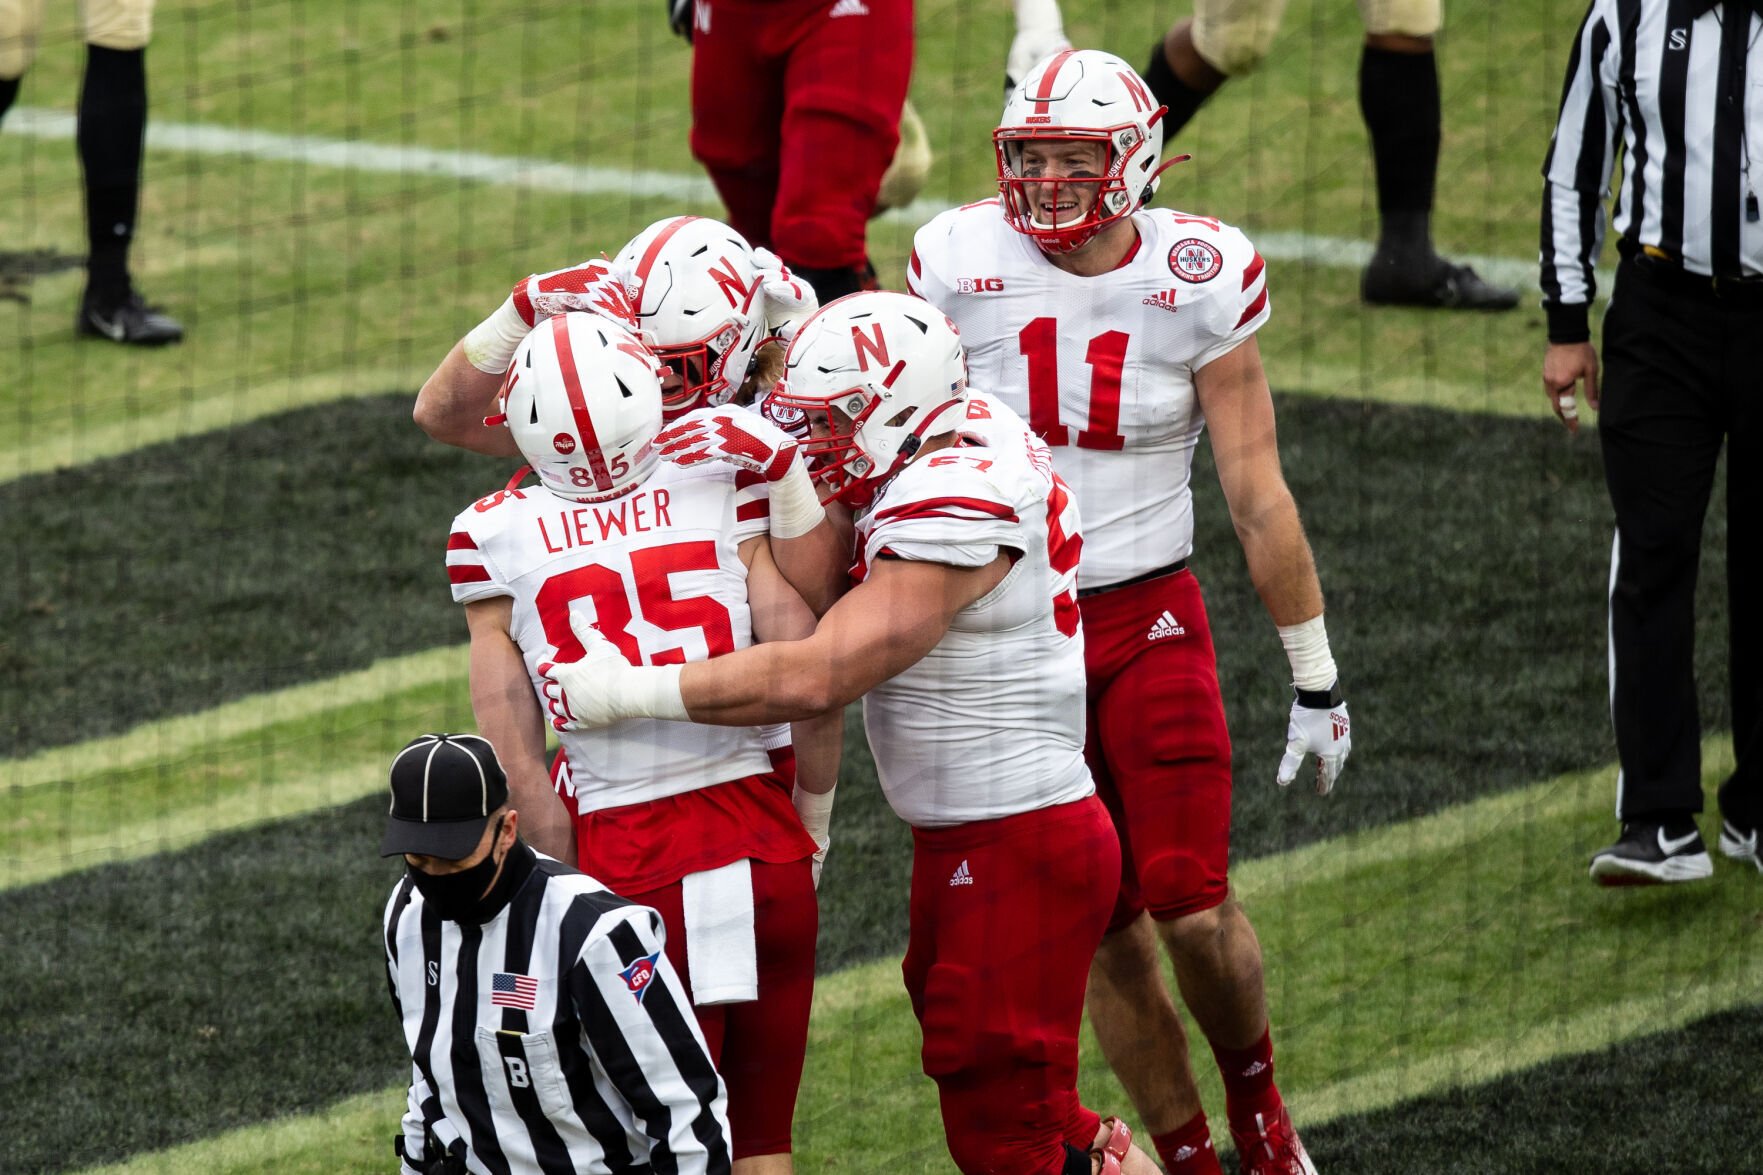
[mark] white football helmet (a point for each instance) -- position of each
(697, 292)
(1083, 96)
(876, 374)
(583, 400)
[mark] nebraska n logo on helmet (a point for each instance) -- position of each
(696, 290)
(877, 374)
(583, 400)
(1079, 96)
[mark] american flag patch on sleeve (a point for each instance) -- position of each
(513, 991)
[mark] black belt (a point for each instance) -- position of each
(1156, 573)
(1659, 269)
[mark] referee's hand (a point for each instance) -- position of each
(1564, 366)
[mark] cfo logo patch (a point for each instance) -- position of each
(1194, 260)
(638, 975)
(563, 443)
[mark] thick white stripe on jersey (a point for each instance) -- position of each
(991, 722)
(1102, 368)
(659, 572)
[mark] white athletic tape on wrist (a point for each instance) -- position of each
(795, 507)
(816, 811)
(654, 692)
(490, 345)
(1306, 648)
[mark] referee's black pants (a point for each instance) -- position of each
(1683, 371)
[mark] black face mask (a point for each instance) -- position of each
(457, 897)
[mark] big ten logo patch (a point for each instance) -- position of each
(980, 285)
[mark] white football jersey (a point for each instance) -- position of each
(1102, 368)
(659, 571)
(991, 722)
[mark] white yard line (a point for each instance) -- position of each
(546, 175)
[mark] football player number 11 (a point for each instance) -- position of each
(1039, 342)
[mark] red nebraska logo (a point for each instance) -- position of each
(1194, 260)
(563, 443)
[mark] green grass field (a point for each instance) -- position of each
(226, 606)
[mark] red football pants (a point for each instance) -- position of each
(796, 115)
(1006, 916)
(1158, 745)
(758, 1046)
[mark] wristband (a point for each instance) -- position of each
(816, 811)
(1306, 645)
(1326, 699)
(654, 692)
(795, 507)
(490, 345)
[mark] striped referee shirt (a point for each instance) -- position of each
(1680, 84)
(555, 1037)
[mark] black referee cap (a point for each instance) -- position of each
(444, 787)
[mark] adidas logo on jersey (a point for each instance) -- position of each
(1163, 300)
(849, 8)
(1167, 625)
(962, 876)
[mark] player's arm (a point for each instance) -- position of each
(811, 549)
(638, 1024)
(880, 628)
(508, 715)
(1238, 406)
(779, 614)
(453, 403)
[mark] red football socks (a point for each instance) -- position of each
(1248, 1082)
(1187, 1150)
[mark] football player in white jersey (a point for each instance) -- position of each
(961, 635)
(1121, 333)
(672, 564)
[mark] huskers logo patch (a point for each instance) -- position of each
(638, 975)
(563, 443)
(1194, 260)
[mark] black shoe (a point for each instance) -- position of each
(128, 321)
(1653, 853)
(1738, 837)
(1393, 280)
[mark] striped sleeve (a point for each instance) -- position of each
(1576, 174)
(471, 573)
(1237, 305)
(947, 511)
(752, 504)
(641, 1028)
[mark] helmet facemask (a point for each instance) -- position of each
(697, 377)
(1097, 194)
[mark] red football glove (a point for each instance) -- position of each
(592, 285)
(733, 435)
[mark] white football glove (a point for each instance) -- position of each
(789, 301)
(602, 686)
(1040, 33)
(1323, 731)
(733, 435)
